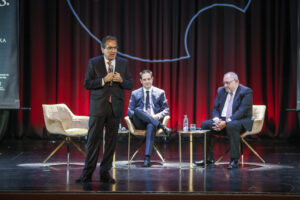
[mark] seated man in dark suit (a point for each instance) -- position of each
(147, 108)
(231, 115)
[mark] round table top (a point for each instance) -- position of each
(194, 131)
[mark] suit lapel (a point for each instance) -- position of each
(237, 94)
(153, 97)
(223, 99)
(117, 67)
(143, 98)
(100, 68)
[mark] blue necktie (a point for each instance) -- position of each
(147, 100)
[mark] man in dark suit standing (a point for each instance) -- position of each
(106, 77)
(232, 115)
(147, 108)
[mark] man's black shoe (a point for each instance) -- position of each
(233, 164)
(201, 162)
(106, 178)
(147, 161)
(83, 179)
(165, 129)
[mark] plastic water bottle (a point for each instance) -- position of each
(185, 123)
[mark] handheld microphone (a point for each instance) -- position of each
(111, 69)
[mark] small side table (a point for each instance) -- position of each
(191, 133)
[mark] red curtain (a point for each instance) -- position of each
(259, 45)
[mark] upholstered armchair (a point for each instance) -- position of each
(60, 120)
(132, 130)
(259, 117)
(258, 114)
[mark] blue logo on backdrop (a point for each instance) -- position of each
(4, 3)
(2, 40)
(228, 5)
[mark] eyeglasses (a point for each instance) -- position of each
(227, 82)
(111, 48)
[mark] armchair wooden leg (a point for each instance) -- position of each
(55, 150)
(158, 153)
(246, 143)
(222, 156)
(241, 149)
(77, 147)
(138, 149)
(134, 154)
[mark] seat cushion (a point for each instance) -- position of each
(76, 132)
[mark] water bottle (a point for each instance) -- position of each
(120, 127)
(185, 123)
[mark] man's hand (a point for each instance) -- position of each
(109, 77)
(219, 125)
(148, 112)
(222, 125)
(117, 77)
(156, 117)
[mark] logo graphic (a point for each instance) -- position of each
(2, 40)
(1, 88)
(225, 5)
(4, 3)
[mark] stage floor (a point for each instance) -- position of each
(22, 169)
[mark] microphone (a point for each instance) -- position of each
(111, 68)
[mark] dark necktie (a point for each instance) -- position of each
(147, 100)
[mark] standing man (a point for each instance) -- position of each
(232, 115)
(106, 77)
(147, 108)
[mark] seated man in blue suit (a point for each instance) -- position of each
(231, 115)
(147, 108)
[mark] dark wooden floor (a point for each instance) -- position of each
(23, 174)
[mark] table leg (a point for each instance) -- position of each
(128, 156)
(191, 150)
(204, 151)
(179, 150)
(114, 160)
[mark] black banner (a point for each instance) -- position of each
(9, 54)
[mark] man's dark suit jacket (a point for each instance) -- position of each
(159, 102)
(241, 107)
(99, 97)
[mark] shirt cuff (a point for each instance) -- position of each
(215, 118)
(103, 83)
(159, 117)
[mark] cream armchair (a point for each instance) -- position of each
(60, 120)
(134, 131)
(258, 113)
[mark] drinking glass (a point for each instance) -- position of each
(193, 127)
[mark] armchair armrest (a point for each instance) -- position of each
(130, 125)
(80, 122)
(166, 120)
